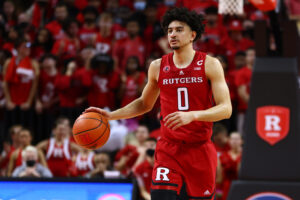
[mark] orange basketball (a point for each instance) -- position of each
(91, 130)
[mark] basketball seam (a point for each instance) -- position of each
(88, 118)
(98, 137)
(91, 128)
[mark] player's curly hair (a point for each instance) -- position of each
(191, 18)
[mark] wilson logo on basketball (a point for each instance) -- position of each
(272, 123)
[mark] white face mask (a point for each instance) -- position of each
(140, 5)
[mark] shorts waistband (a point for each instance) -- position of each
(182, 142)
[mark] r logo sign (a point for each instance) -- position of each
(272, 123)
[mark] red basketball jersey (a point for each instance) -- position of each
(59, 158)
(185, 90)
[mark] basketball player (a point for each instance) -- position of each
(186, 80)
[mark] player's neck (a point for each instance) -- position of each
(183, 56)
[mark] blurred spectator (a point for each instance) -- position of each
(102, 164)
(25, 138)
(133, 81)
(243, 80)
(47, 97)
(199, 6)
(72, 87)
(21, 75)
(215, 32)
(30, 166)
(13, 34)
(239, 60)
(105, 82)
(89, 29)
(104, 39)
(42, 44)
(39, 13)
(143, 171)
(84, 162)
(220, 138)
(230, 162)
(9, 16)
(127, 157)
(60, 15)
(69, 45)
(236, 42)
(132, 45)
(58, 150)
(72, 9)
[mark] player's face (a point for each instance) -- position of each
(180, 34)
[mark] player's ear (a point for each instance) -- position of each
(194, 34)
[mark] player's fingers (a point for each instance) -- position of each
(177, 126)
(169, 120)
(170, 115)
(93, 109)
(173, 123)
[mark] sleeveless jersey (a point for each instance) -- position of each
(59, 158)
(84, 164)
(185, 90)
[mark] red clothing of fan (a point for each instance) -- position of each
(72, 87)
(84, 164)
(86, 35)
(243, 77)
(132, 153)
(126, 48)
(230, 171)
(70, 48)
(59, 158)
(185, 89)
(19, 77)
(143, 173)
(56, 30)
(133, 82)
(104, 44)
(101, 93)
(47, 91)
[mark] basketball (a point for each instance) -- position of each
(91, 130)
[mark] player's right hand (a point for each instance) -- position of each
(98, 110)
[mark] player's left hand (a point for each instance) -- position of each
(177, 119)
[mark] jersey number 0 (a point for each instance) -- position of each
(183, 103)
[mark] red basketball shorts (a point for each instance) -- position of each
(193, 164)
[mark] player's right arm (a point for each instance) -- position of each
(142, 104)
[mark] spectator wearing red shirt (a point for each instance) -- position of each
(72, 87)
(132, 45)
(215, 32)
(47, 97)
(105, 82)
(230, 162)
(58, 150)
(9, 42)
(25, 138)
(8, 148)
(89, 29)
(42, 44)
(220, 138)
(60, 14)
(84, 162)
(9, 16)
(104, 39)
(69, 46)
(21, 74)
(198, 5)
(39, 13)
(127, 157)
(143, 171)
(236, 42)
(243, 80)
(133, 81)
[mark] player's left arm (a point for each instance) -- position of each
(222, 109)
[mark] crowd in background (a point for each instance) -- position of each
(57, 57)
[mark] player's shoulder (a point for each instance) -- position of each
(210, 60)
(155, 66)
